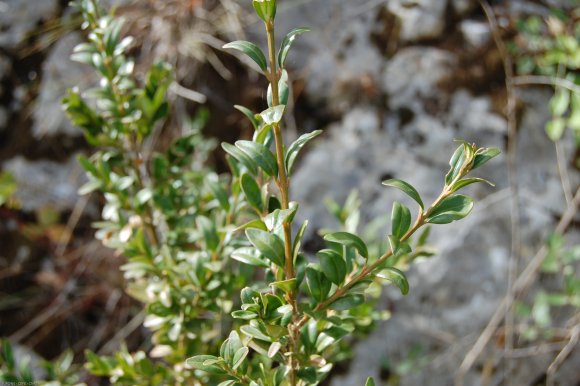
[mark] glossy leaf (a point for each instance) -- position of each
(456, 163)
(451, 209)
(254, 333)
(400, 220)
(333, 265)
(261, 155)
(347, 302)
(296, 146)
(252, 192)
(468, 181)
(279, 217)
(273, 115)
(349, 240)
(396, 277)
(250, 49)
(270, 245)
(239, 357)
(483, 155)
(205, 363)
(241, 157)
(250, 115)
(287, 43)
(244, 315)
(318, 286)
(370, 382)
(406, 188)
(249, 256)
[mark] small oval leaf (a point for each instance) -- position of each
(250, 49)
(407, 188)
(349, 240)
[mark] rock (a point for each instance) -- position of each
(463, 7)
(476, 33)
(46, 183)
(59, 73)
(412, 75)
(339, 54)
(420, 19)
(20, 17)
(474, 114)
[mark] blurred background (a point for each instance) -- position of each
(392, 83)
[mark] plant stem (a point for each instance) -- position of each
(283, 186)
(368, 269)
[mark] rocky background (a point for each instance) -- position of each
(391, 82)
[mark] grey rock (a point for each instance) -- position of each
(474, 114)
(476, 33)
(413, 74)
(46, 183)
(338, 53)
(59, 74)
(420, 19)
(19, 17)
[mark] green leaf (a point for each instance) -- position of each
(407, 188)
(219, 193)
(333, 265)
(296, 146)
(555, 128)
(265, 9)
(483, 155)
(273, 115)
(308, 374)
(7, 354)
(468, 181)
(241, 157)
(229, 347)
(285, 285)
(400, 220)
(279, 217)
(239, 357)
(298, 239)
(283, 90)
(250, 49)
(451, 209)
(560, 102)
(261, 155)
(347, 302)
(349, 240)
(231, 382)
(198, 362)
(456, 162)
(244, 315)
(274, 348)
(370, 382)
(254, 333)
(270, 245)
(250, 115)
(287, 43)
(252, 192)
(250, 256)
(396, 277)
(209, 232)
(317, 285)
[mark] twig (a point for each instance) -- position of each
(71, 224)
(520, 286)
(535, 80)
(563, 171)
(186, 93)
(123, 333)
(561, 357)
